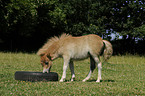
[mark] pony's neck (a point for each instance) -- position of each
(52, 51)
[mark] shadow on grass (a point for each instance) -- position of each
(93, 80)
(101, 80)
(107, 81)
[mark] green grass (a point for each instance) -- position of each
(122, 75)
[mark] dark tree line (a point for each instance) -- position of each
(27, 24)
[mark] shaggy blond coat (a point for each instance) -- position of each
(75, 48)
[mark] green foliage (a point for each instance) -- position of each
(26, 20)
(19, 17)
(139, 32)
(121, 16)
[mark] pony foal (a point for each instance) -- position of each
(75, 48)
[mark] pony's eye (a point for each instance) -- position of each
(46, 63)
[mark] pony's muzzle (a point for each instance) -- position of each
(46, 70)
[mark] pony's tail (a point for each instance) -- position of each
(108, 50)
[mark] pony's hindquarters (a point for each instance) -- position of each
(95, 45)
(108, 50)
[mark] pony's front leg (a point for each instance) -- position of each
(88, 77)
(71, 66)
(66, 62)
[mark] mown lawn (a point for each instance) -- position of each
(122, 75)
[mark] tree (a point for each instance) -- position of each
(30, 21)
(18, 19)
(97, 16)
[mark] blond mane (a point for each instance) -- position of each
(50, 41)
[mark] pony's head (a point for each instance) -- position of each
(46, 63)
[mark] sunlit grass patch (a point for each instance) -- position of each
(122, 75)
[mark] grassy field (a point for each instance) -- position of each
(122, 75)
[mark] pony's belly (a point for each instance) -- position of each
(80, 56)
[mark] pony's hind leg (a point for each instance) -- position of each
(99, 72)
(99, 65)
(71, 66)
(92, 67)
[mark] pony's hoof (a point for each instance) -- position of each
(72, 80)
(84, 80)
(61, 81)
(98, 81)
